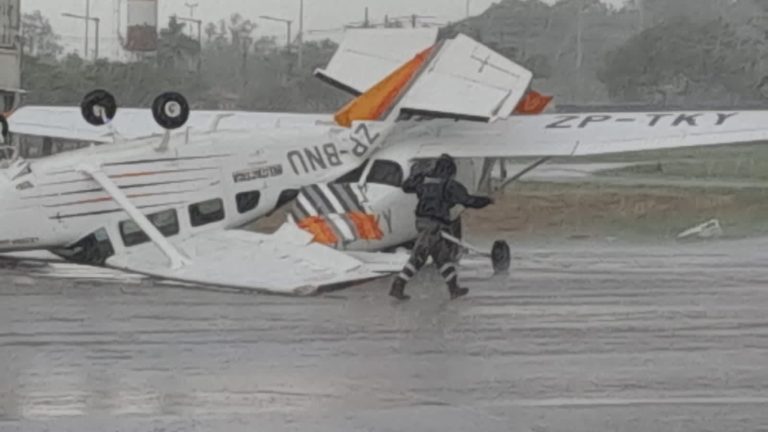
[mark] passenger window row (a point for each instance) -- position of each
(200, 214)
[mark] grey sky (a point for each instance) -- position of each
(319, 14)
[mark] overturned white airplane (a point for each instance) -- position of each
(168, 204)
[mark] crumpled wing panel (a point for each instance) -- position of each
(286, 262)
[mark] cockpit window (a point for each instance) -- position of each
(24, 186)
(93, 249)
(206, 212)
(247, 201)
(386, 172)
(165, 221)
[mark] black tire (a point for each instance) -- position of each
(95, 100)
(170, 110)
(501, 257)
(4, 131)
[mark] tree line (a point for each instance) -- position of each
(662, 52)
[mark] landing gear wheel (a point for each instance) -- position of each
(97, 105)
(170, 110)
(501, 257)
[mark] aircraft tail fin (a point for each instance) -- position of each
(456, 78)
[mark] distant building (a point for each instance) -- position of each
(10, 55)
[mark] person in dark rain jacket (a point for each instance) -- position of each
(438, 192)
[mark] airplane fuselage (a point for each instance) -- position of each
(222, 180)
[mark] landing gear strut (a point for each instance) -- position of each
(500, 255)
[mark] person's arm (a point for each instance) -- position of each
(459, 195)
(412, 183)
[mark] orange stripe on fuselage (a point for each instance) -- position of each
(318, 226)
(366, 225)
(372, 104)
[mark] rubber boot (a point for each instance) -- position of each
(398, 290)
(455, 290)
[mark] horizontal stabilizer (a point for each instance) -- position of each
(466, 79)
(366, 56)
(457, 78)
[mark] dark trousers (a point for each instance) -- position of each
(431, 243)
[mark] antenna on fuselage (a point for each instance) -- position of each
(171, 111)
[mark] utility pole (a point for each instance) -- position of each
(468, 1)
(87, 19)
(579, 32)
(287, 22)
(301, 34)
(96, 53)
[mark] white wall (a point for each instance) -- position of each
(10, 75)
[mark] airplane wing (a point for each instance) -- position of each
(588, 134)
(130, 123)
(287, 262)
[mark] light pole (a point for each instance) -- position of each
(468, 1)
(199, 38)
(87, 26)
(287, 22)
(191, 7)
(87, 19)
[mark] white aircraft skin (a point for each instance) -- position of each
(171, 206)
(66, 203)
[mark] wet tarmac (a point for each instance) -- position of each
(581, 336)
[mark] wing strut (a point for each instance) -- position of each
(528, 169)
(177, 259)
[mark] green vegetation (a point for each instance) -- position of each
(235, 72)
(665, 52)
(637, 213)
